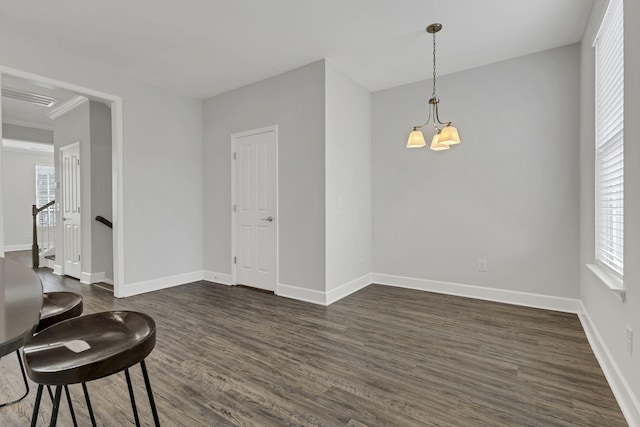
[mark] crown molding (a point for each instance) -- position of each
(67, 106)
(25, 123)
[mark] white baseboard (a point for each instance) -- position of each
(212, 276)
(57, 269)
(301, 294)
(623, 393)
(108, 281)
(320, 297)
(131, 289)
(89, 278)
(14, 248)
(547, 302)
(336, 294)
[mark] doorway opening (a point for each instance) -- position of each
(112, 110)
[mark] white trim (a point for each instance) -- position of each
(25, 123)
(346, 289)
(160, 283)
(215, 277)
(117, 139)
(526, 299)
(89, 278)
(57, 269)
(623, 393)
(13, 248)
(23, 145)
(610, 280)
(74, 102)
(234, 136)
(301, 294)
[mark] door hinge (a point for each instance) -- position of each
(78, 258)
(78, 160)
(234, 208)
(234, 156)
(235, 260)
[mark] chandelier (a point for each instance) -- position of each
(446, 135)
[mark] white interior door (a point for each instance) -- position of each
(70, 206)
(256, 201)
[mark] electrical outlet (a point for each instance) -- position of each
(629, 340)
(482, 265)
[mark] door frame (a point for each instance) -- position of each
(234, 137)
(61, 205)
(117, 139)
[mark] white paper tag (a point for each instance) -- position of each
(77, 346)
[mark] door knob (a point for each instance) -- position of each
(269, 219)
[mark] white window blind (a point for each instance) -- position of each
(609, 139)
(45, 192)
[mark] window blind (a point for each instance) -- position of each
(610, 139)
(45, 192)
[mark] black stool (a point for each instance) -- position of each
(56, 307)
(87, 348)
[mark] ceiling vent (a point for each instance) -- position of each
(32, 98)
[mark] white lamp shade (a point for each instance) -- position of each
(416, 139)
(449, 136)
(436, 145)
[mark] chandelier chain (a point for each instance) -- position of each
(434, 66)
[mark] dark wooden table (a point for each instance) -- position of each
(20, 302)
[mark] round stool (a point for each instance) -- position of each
(87, 348)
(58, 306)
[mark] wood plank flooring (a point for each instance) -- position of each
(382, 356)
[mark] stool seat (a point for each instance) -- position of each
(58, 306)
(86, 348)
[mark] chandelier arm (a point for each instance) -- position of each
(437, 118)
(425, 123)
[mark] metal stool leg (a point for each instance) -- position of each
(24, 378)
(152, 402)
(56, 407)
(73, 414)
(86, 397)
(36, 407)
(133, 399)
(50, 393)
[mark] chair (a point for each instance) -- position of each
(87, 348)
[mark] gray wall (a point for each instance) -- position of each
(348, 178)
(101, 177)
(162, 161)
(24, 133)
(507, 194)
(19, 193)
(295, 102)
(610, 315)
(90, 124)
(70, 128)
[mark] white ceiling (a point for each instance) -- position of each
(205, 47)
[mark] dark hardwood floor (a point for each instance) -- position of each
(382, 356)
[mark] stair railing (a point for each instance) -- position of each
(104, 221)
(47, 231)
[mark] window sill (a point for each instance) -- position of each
(610, 280)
